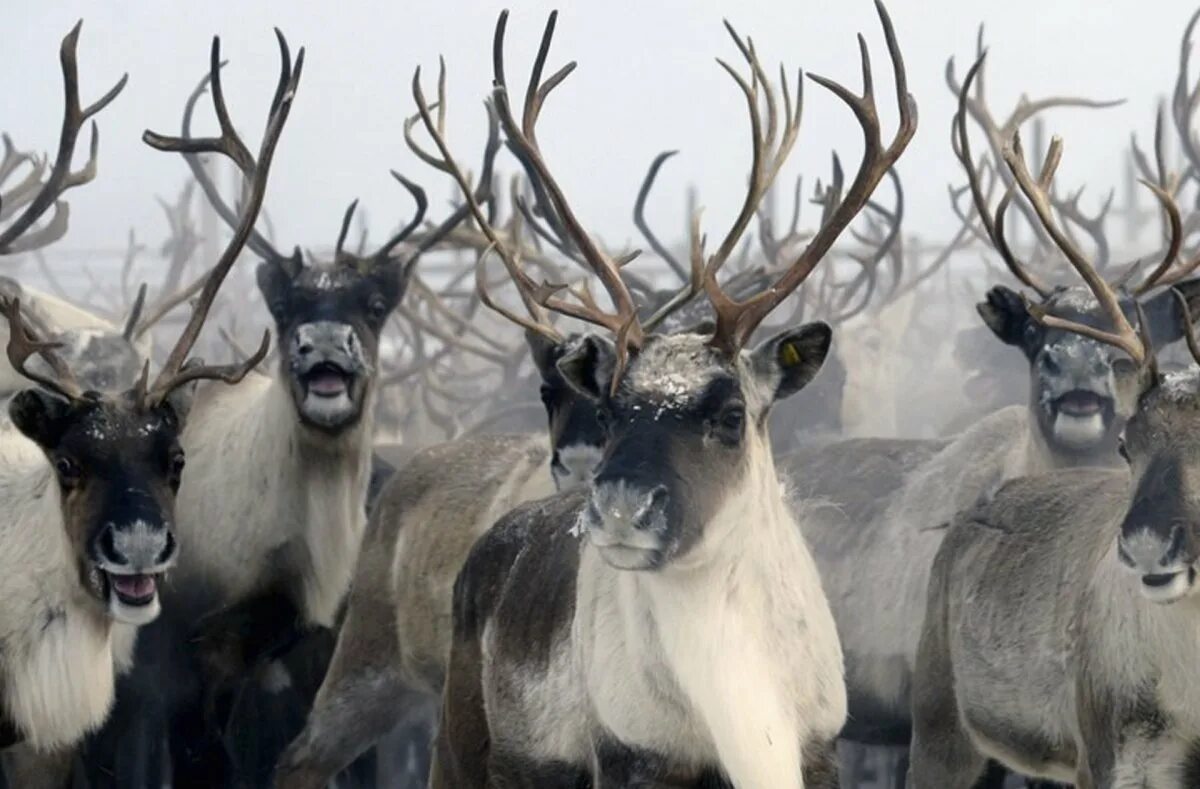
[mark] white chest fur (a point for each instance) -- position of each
(733, 662)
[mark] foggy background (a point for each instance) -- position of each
(646, 82)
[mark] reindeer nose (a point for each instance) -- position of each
(1148, 551)
(137, 547)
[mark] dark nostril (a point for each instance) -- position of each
(658, 498)
(1178, 536)
(108, 546)
(168, 551)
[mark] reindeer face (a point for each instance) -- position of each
(576, 436)
(1160, 535)
(117, 468)
(685, 427)
(1072, 388)
(328, 320)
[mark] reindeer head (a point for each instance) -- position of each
(1160, 533)
(684, 423)
(684, 414)
(1074, 382)
(328, 320)
(115, 459)
(576, 435)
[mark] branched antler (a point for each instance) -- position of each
(736, 320)
(254, 171)
(17, 236)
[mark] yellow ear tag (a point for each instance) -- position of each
(788, 355)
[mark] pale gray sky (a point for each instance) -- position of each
(646, 82)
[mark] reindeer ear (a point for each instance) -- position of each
(273, 283)
(393, 276)
(41, 416)
(543, 351)
(785, 363)
(1163, 316)
(1005, 314)
(587, 366)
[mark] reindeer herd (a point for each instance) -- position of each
(696, 566)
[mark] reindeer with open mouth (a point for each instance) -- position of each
(89, 482)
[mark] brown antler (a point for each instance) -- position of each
(736, 320)
(173, 373)
(1036, 191)
(523, 138)
(23, 343)
(16, 238)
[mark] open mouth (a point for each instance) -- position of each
(132, 590)
(327, 380)
(1080, 403)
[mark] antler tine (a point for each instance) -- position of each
(1184, 100)
(993, 224)
(639, 216)
(255, 173)
(346, 218)
(22, 193)
(1092, 226)
(422, 204)
(13, 158)
(23, 343)
(523, 138)
(1189, 329)
(537, 321)
(1036, 192)
(229, 373)
(480, 195)
(767, 157)
(1174, 238)
(736, 321)
(135, 314)
(61, 177)
(257, 242)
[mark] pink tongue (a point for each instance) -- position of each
(135, 586)
(327, 384)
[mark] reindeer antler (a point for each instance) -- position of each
(23, 344)
(16, 238)
(737, 320)
(254, 171)
(1135, 343)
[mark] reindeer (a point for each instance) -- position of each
(393, 644)
(90, 481)
(875, 539)
(272, 556)
(668, 625)
(1056, 638)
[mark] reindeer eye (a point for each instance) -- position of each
(66, 469)
(1121, 450)
(377, 307)
(177, 464)
(733, 418)
(547, 395)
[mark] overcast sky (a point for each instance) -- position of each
(646, 81)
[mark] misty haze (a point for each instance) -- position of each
(651, 394)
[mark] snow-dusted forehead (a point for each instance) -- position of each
(328, 277)
(1074, 299)
(114, 423)
(675, 370)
